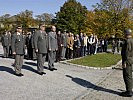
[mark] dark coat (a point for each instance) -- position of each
(52, 41)
(5, 40)
(41, 41)
(18, 43)
(127, 51)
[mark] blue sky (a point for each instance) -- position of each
(38, 6)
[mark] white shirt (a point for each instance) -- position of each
(85, 40)
(91, 40)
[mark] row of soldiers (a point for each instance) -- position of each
(44, 44)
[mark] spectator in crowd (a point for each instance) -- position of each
(70, 42)
(91, 42)
(59, 42)
(118, 42)
(64, 44)
(76, 47)
(81, 38)
(96, 44)
(113, 46)
(85, 38)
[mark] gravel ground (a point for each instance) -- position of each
(109, 89)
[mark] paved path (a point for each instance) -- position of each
(109, 89)
(67, 83)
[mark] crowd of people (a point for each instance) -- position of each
(57, 46)
(69, 45)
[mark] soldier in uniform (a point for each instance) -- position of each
(5, 43)
(29, 45)
(127, 62)
(18, 49)
(52, 47)
(40, 44)
(34, 56)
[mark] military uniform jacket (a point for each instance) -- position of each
(41, 41)
(18, 44)
(52, 41)
(127, 51)
(5, 40)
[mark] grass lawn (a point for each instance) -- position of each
(99, 60)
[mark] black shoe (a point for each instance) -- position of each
(41, 73)
(19, 74)
(126, 94)
(51, 69)
(54, 69)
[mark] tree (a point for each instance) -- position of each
(26, 19)
(71, 17)
(45, 17)
(6, 22)
(120, 14)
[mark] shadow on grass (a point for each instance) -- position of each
(88, 85)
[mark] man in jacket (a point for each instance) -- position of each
(64, 44)
(5, 43)
(40, 44)
(52, 47)
(18, 49)
(127, 62)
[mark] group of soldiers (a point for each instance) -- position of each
(60, 46)
(43, 44)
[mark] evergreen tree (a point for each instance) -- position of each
(71, 17)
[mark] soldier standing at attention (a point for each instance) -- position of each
(41, 44)
(127, 62)
(53, 47)
(18, 49)
(5, 43)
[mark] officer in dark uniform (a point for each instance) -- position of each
(34, 56)
(29, 45)
(41, 44)
(127, 62)
(52, 47)
(5, 43)
(18, 49)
